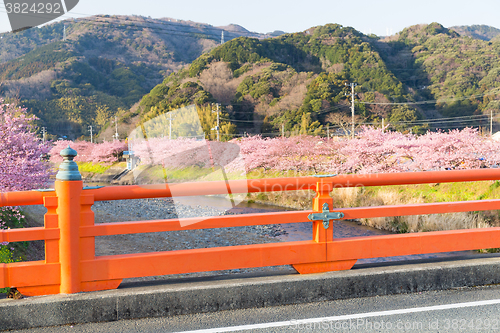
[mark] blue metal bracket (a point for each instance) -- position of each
(326, 216)
(92, 187)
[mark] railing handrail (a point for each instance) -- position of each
(125, 192)
(69, 230)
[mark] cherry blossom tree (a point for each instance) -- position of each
(372, 151)
(21, 152)
(22, 166)
(105, 152)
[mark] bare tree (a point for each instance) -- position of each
(344, 122)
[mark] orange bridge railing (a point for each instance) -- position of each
(71, 266)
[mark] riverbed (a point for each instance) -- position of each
(206, 207)
(303, 231)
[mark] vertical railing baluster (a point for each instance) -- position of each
(69, 187)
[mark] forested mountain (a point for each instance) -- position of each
(460, 73)
(294, 82)
(104, 65)
(298, 81)
(483, 32)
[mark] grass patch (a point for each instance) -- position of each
(93, 168)
(189, 173)
(156, 173)
(148, 174)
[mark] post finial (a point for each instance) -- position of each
(68, 169)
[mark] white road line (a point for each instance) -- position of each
(346, 317)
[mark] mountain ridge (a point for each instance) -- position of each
(104, 66)
(478, 31)
(421, 64)
(136, 67)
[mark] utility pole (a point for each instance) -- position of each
(170, 126)
(116, 127)
(217, 128)
(64, 32)
(44, 130)
(352, 85)
(383, 125)
(328, 133)
(491, 122)
(91, 134)
(283, 130)
(222, 38)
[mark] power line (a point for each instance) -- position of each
(442, 119)
(138, 28)
(242, 121)
(176, 28)
(483, 117)
(176, 32)
(443, 100)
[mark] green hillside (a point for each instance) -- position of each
(137, 68)
(299, 80)
(460, 73)
(295, 80)
(483, 32)
(105, 65)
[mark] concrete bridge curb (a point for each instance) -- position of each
(186, 296)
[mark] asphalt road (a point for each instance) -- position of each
(459, 310)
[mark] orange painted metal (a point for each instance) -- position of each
(137, 227)
(28, 234)
(51, 254)
(69, 232)
(414, 243)
(423, 177)
(51, 222)
(259, 185)
(68, 210)
(323, 189)
(25, 274)
(199, 260)
(322, 235)
(40, 290)
(420, 209)
(23, 198)
(290, 184)
(100, 285)
(87, 246)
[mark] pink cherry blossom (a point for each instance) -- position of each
(21, 164)
(21, 151)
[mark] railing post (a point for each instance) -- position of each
(323, 189)
(68, 188)
(323, 234)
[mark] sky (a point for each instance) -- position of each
(381, 17)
